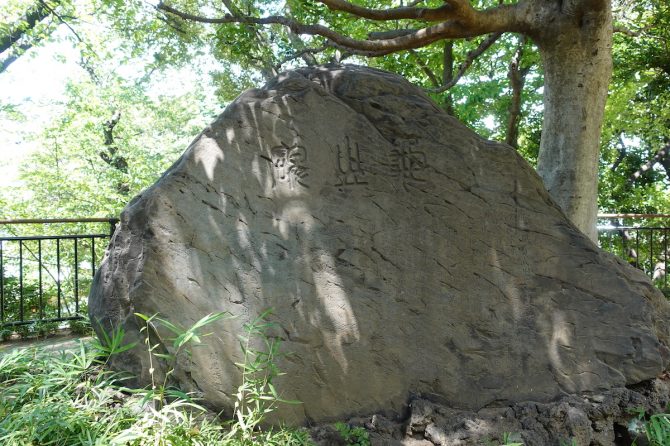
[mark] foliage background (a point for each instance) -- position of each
(167, 78)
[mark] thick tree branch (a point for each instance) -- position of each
(469, 59)
(517, 79)
(302, 50)
(381, 35)
(493, 20)
(659, 157)
(448, 62)
(498, 18)
(108, 127)
(623, 151)
(109, 155)
(7, 61)
(20, 28)
(448, 10)
(10, 59)
(448, 74)
(307, 54)
(623, 30)
(63, 21)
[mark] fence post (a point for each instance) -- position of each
(647, 249)
(15, 307)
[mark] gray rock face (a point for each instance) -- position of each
(400, 252)
(606, 419)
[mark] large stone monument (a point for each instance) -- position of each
(401, 254)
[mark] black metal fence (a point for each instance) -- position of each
(46, 278)
(641, 240)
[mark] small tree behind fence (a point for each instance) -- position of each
(47, 278)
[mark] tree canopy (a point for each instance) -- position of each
(483, 61)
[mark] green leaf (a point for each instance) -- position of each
(145, 317)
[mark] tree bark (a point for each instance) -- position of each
(448, 74)
(577, 57)
(661, 156)
(517, 79)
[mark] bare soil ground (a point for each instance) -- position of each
(62, 341)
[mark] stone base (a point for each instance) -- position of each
(608, 418)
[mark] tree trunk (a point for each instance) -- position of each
(577, 57)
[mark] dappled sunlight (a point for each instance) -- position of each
(242, 237)
(336, 306)
(283, 227)
(560, 338)
(208, 156)
(258, 169)
(230, 136)
(295, 213)
(567, 341)
(509, 286)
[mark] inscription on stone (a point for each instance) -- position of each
(407, 164)
(349, 167)
(288, 165)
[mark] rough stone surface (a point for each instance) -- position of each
(401, 254)
(610, 418)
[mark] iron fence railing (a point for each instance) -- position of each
(46, 278)
(641, 240)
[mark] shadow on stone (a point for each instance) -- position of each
(401, 253)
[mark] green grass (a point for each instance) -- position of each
(69, 399)
(352, 435)
(657, 429)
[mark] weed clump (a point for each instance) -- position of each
(71, 399)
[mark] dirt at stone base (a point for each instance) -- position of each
(608, 418)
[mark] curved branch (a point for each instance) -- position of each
(14, 56)
(469, 59)
(63, 21)
(301, 54)
(391, 34)
(659, 157)
(623, 30)
(303, 51)
(502, 17)
(404, 12)
(486, 21)
(31, 19)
